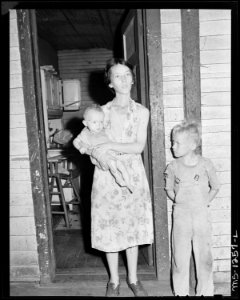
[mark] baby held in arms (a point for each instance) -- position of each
(93, 135)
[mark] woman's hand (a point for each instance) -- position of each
(103, 148)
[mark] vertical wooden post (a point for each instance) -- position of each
(36, 141)
(191, 64)
(153, 41)
(191, 81)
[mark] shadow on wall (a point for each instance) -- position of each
(85, 168)
(97, 88)
(75, 126)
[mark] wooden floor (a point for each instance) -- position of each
(85, 289)
(82, 271)
(75, 258)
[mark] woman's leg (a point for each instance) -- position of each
(112, 259)
(132, 259)
(133, 282)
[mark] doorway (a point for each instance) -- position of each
(73, 252)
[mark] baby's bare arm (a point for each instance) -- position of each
(85, 148)
(82, 147)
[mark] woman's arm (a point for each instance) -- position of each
(135, 147)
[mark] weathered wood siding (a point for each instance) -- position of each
(172, 81)
(83, 65)
(215, 54)
(23, 244)
(215, 116)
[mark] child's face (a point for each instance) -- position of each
(121, 79)
(94, 121)
(183, 144)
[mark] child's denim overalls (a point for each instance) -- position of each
(191, 224)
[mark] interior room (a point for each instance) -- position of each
(73, 47)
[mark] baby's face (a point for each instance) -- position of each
(94, 121)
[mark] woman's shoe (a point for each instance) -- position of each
(138, 289)
(112, 291)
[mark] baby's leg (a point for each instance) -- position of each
(125, 174)
(115, 172)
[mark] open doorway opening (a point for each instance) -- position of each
(74, 44)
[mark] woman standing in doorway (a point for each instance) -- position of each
(122, 220)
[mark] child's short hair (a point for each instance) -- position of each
(93, 107)
(192, 128)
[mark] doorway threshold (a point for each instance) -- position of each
(100, 274)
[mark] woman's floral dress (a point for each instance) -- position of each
(120, 219)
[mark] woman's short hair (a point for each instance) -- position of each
(192, 128)
(113, 62)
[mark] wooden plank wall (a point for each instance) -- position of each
(23, 244)
(172, 81)
(82, 64)
(215, 54)
(215, 116)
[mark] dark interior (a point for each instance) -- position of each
(81, 28)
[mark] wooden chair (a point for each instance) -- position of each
(56, 179)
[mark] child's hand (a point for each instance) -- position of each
(82, 150)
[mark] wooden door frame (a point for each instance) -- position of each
(153, 99)
(138, 59)
(27, 32)
(157, 140)
(143, 68)
(37, 146)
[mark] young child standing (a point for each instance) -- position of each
(93, 135)
(191, 183)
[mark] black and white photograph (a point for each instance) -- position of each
(120, 149)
